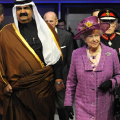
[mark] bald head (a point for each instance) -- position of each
(51, 18)
(95, 12)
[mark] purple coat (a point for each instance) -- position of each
(90, 102)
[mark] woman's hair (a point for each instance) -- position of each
(86, 34)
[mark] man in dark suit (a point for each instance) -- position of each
(66, 44)
(62, 25)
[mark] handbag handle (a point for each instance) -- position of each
(116, 83)
(116, 87)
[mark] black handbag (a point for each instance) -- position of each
(117, 100)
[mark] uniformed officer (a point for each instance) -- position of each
(110, 37)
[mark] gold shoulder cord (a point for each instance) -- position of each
(3, 79)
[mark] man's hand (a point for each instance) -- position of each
(59, 85)
(8, 90)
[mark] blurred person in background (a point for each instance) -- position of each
(62, 25)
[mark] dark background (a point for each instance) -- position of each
(72, 11)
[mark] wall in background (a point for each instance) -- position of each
(72, 11)
(67, 1)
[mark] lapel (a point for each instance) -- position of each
(86, 60)
(60, 36)
(101, 62)
(102, 58)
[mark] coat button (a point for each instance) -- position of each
(92, 103)
(93, 118)
(93, 74)
(92, 89)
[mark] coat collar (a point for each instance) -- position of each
(101, 62)
(108, 38)
(60, 36)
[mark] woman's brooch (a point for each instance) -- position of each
(108, 54)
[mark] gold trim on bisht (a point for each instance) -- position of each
(27, 45)
(56, 43)
(3, 78)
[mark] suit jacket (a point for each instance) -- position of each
(66, 44)
(90, 102)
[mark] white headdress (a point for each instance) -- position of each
(51, 53)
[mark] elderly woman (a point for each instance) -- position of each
(91, 76)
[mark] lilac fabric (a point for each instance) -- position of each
(90, 102)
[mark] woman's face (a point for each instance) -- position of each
(93, 39)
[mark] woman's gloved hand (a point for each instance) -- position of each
(69, 111)
(105, 86)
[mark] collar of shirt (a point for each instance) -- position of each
(56, 30)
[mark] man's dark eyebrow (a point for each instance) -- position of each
(18, 8)
(25, 7)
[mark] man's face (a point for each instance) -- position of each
(61, 25)
(24, 14)
(51, 18)
(112, 27)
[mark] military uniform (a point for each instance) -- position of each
(110, 38)
(112, 41)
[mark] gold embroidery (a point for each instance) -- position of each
(3, 79)
(107, 13)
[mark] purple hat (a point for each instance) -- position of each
(89, 24)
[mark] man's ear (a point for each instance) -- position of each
(56, 21)
(1, 18)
